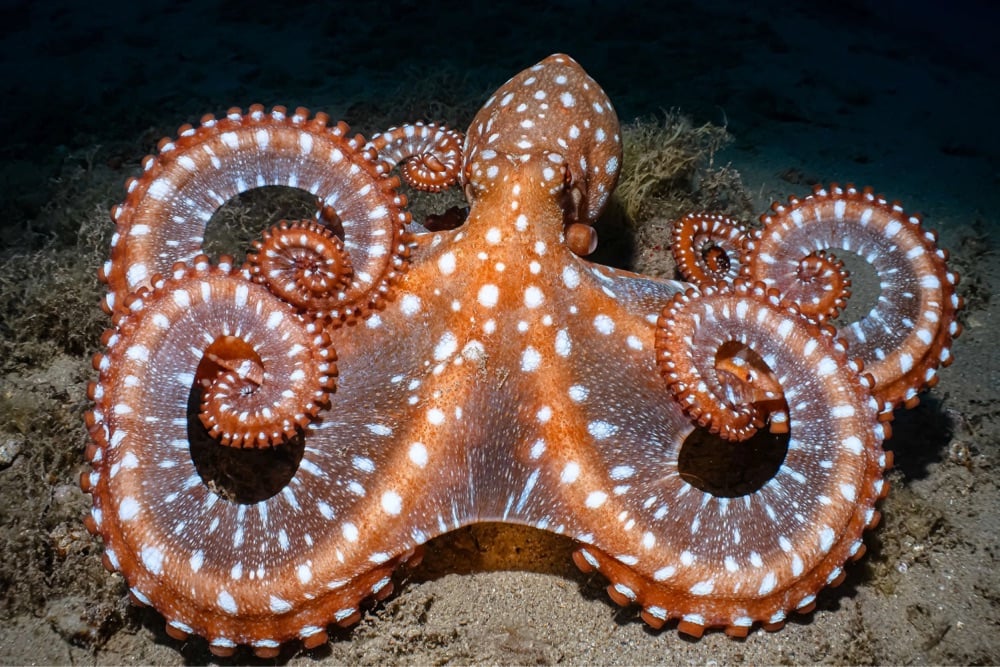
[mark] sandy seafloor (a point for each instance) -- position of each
(897, 95)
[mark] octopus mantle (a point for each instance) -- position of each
(482, 373)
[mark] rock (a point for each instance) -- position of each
(10, 447)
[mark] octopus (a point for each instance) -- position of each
(487, 371)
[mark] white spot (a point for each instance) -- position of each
(842, 411)
(622, 472)
(152, 558)
(601, 430)
(128, 509)
(418, 454)
(446, 346)
(392, 503)
(852, 443)
(604, 324)
(785, 328)
(563, 343)
(595, 499)
(488, 295)
(410, 304)
(826, 539)
(533, 297)
(703, 587)
(362, 463)
(530, 359)
(905, 363)
(274, 319)
(537, 448)
(350, 532)
(181, 298)
(930, 281)
(242, 292)
(279, 606)
(446, 263)
(159, 189)
(196, 561)
(226, 602)
(379, 429)
(768, 584)
(570, 276)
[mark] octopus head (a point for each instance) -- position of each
(529, 198)
(551, 109)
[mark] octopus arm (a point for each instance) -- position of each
(164, 216)
(712, 561)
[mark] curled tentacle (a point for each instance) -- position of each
(256, 391)
(429, 155)
(770, 551)
(748, 381)
(822, 286)
(303, 263)
(908, 333)
(224, 570)
(725, 385)
(163, 218)
(708, 248)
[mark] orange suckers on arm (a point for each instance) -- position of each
(834, 450)
(429, 155)
(305, 264)
(909, 331)
(724, 382)
(255, 393)
(708, 248)
(163, 218)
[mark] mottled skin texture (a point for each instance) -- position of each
(486, 373)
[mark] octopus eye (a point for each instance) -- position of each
(581, 238)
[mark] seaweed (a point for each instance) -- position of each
(669, 169)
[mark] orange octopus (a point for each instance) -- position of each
(485, 373)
